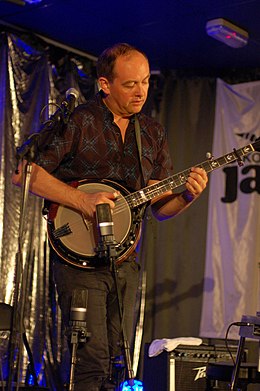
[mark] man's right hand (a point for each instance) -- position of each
(87, 202)
(47, 186)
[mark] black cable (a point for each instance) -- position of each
(238, 324)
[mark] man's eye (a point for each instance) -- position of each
(129, 85)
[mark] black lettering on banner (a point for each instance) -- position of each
(251, 184)
(231, 184)
(247, 186)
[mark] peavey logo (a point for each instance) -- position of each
(201, 372)
(251, 174)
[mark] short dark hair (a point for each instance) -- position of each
(106, 61)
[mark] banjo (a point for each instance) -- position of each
(74, 237)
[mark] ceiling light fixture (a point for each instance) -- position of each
(227, 32)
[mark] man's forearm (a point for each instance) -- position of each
(171, 205)
(47, 186)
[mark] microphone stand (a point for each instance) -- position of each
(107, 248)
(27, 151)
(19, 281)
(77, 328)
(126, 346)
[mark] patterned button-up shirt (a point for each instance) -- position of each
(91, 147)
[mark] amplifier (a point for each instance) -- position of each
(184, 369)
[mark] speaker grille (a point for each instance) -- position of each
(191, 375)
(184, 369)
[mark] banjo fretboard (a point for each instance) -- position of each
(148, 193)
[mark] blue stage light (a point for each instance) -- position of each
(131, 385)
(33, 1)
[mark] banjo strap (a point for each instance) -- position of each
(139, 146)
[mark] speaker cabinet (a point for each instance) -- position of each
(184, 369)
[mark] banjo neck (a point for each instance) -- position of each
(150, 192)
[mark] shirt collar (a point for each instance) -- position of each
(107, 112)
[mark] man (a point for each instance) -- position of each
(100, 143)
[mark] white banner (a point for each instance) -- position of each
(232, 274)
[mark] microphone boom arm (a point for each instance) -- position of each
(57, 120)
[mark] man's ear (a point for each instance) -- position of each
(104, 84)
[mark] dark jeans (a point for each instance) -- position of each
(103, 320)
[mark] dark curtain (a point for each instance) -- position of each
(174, 250)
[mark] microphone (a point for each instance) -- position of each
(106, 247)
(105, 223)
(78, 309)
(72, 96)
(77, 324)
(69, 104)
(62, 114)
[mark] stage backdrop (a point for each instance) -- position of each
(233, 245)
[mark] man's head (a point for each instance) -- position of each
(123, 75)
(106, 61)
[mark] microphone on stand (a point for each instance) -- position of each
(77, 327)
(61, 115)
(105, 222)
(78, 314)
(72, 96)
(105, 226)
(78, 308)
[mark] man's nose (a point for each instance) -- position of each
(140, 90)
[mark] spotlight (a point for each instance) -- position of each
(33, 1)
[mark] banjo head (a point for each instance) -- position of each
(75, 238)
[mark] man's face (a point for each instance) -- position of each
(127, 93)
